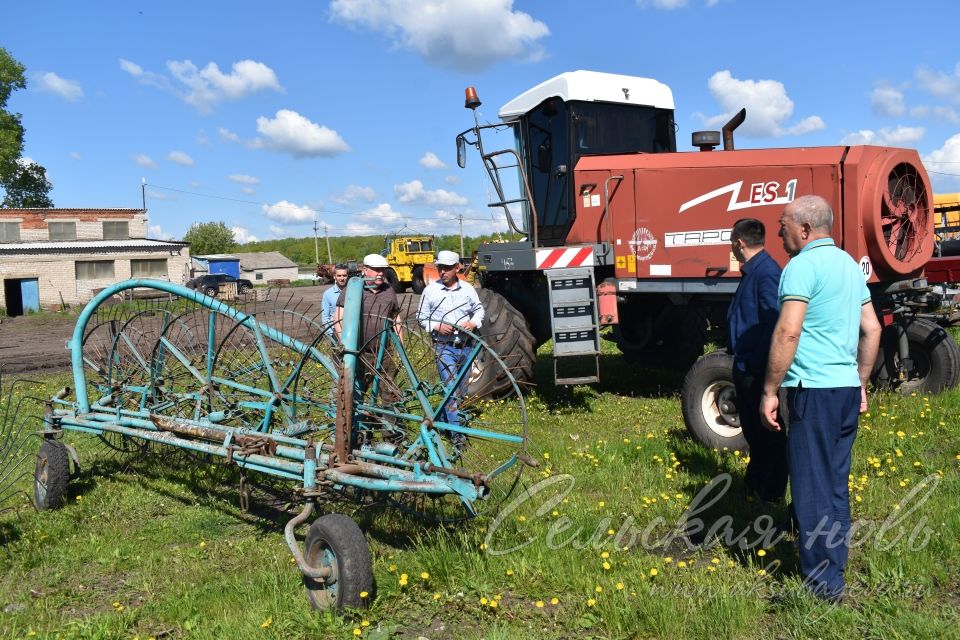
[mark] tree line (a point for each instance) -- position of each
(215, 237)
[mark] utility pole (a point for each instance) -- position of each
(316, 249)
(461, 235)
(326, 233)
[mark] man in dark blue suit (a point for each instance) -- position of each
(750, 321)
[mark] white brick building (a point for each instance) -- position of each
(51, 257)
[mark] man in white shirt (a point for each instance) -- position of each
(447, 306)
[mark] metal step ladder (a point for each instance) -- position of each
(574, 323)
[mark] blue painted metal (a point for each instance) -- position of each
(229, 266)
(30, 294)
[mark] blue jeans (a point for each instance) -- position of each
(823, 426)
(450, 359)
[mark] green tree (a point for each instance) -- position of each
(25, 185)
(207, 238)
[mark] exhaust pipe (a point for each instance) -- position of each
(728, 128)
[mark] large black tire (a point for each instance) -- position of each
(935, 356)
(335, 540)
(506, 331)
(52, 475)
(391, 277)
(709, 402)
(671, 338)
(418, 284)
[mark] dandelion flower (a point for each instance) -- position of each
(266, 623)
(554, 601)
(668, 560)
(484, 601)
(619, 586)
(509, 572)
(357, 631)
(605, 555)
(436, 596)
(591, 602)
(364, 594)
(682, 564)
(403, 579)
(653, 572)
(424, 576)
(538, 604)
(598, 589)
(493, 604)
(761, 553)
(601, 504)
(606, 566)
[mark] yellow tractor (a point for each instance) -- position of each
(411, 259)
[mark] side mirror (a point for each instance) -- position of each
(461, 152)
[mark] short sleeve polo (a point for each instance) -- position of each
(833, 287)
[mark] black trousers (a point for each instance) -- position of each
(767, 470)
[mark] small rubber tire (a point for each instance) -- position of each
(708, 399)
(935, 355)
(335, 540)
(418, 284)
(211, 291)
(51, 476)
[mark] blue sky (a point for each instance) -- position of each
(268, 116)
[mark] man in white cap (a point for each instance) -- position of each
(378, 305)
(447, 306)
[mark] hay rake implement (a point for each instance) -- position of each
(270, 389)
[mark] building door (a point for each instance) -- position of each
(22, 295)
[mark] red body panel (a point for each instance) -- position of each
(669, 215)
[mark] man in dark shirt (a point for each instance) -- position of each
(750, 320)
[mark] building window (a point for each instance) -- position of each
(259, 276)
(9, 231)
(116, 230)
(62, 230)
(95, 270)
(148, 268)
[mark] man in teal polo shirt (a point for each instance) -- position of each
(823, 349)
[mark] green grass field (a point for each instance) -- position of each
(157, 547)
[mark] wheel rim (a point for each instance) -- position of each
(324, 591)
(40, 484)
(719, 409)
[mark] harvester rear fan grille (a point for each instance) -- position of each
(905, 212)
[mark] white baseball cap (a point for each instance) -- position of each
(447, 258)
(375, 260)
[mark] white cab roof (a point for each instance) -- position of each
(591, 86)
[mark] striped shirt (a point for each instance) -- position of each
(449, 305)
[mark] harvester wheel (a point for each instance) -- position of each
(676, 338)
(934, 354)
(418, 284)
(335, 541)
(709, 403)
(51, 476)
(506, 331)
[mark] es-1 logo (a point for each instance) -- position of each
(758, 195)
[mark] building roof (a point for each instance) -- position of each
(216, 256)
(87, 246)
(67, 213)
(591, 86)
(265, 260)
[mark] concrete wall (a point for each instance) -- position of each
(266, 275)
(57, 273)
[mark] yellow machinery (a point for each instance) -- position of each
(410, 257)
(946, 219)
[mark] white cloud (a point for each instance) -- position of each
(431, 161)
(228, 136)
(156, 232)
(69, 90)
(204, 88)
(355, 192)
(466, 35)
(452, 179)
(144, 160)
(148, 78)
(180, 158)
(946, 159)
(374, 221)
(947, 113)
(242, 235)
(767, 103)
(280, 232)
(413, 191)
(898, 137)
(160, 195)
(940, 84)
(240, 178)
(209, 85)
(289, 132)
(887, 101)
(289, 213)
(248, 190)
(75, 155)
